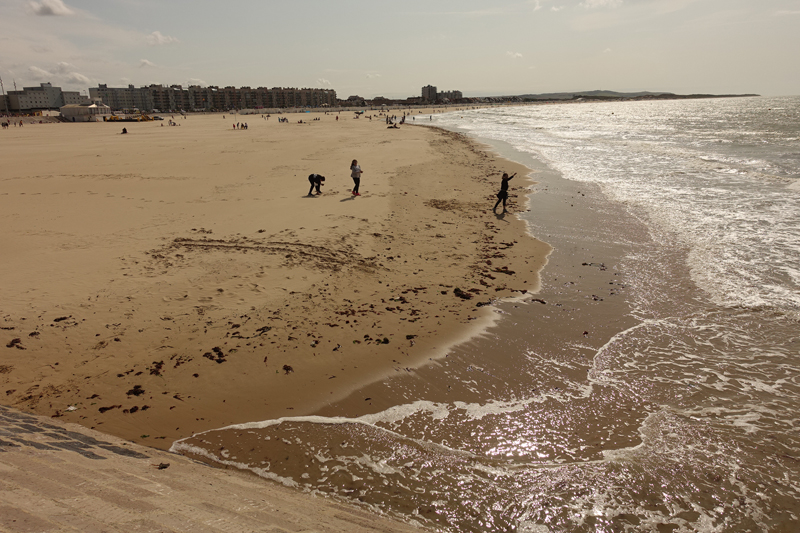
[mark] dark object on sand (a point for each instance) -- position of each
(13, 343)
(287, 369)
(461, 294)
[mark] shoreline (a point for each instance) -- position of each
(154, 322)
(582, 306)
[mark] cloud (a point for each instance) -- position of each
(592, 4)
(373, 75)
(559, 8)
(515, 55)
(63, 67)
(76, 78)
(537, 5)
(51, 8)
(145, 63)
(39, 74)
(62, 73)
(323, 82)
(607, 50)
(157, 38)
(196, 81)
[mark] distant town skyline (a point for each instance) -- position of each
(392, 48)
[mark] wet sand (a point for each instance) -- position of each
(402, 444)
(178, 279)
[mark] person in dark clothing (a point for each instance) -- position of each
(502, 196)
(316, 181)
(355, 173)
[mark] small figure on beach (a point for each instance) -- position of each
(355, 173)
(316, 181)
(502, 196)
(124, 130)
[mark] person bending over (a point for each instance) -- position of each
(316, 181)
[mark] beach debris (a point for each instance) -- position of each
(539, 300)
(156, 368)
(265, 362)
(287, 369)
(337, 347)
(137, 390)
(104, 409)
(409, 337)
(160, 466)
(217, 355)
(601, 266)
(585, 333)
(481, 304)
(71, 408)
(33, 334)
(461, 294)
(385, 341)
(15, 343)
(61, 318)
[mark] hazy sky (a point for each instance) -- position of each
(393, 48)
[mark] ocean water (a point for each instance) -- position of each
(686, 419)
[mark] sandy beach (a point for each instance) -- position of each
(179, 278)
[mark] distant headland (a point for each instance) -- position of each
(601, 95)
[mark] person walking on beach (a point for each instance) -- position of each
(355, 173)
(502, 196)
(316, 181)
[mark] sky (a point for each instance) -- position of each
(392, 48)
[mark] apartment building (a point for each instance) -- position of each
(196, 98)
(429, 93)
(450, 95)
(40, 98)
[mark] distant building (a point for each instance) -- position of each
(429, 93)
(355, 100)
(160, 98)
(449, 95)
(40, 98)
(87, 111)
(380, 100)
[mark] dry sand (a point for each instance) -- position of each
(177, 279)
